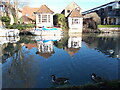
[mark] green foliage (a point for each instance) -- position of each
(26, 40)
(105, 26)
(14, 15)
(60, 20)
(21, 26)
(6, 20)
(107, 85)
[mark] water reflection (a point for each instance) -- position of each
(29, 61)
(74, 44)
(107, 43)
(9, 40)
(45, 45)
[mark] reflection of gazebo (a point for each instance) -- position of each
(72, 51)
(45, 55)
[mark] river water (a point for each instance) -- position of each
(29, 61)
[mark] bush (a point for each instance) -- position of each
(60, 20)
(21, 26)
(6, 20)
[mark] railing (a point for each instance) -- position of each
(114, 14)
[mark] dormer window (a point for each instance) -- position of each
(78, 9)
(27, 15)
(68, 11)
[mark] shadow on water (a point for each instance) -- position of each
(29, 61)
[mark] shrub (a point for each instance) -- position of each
(6, 20)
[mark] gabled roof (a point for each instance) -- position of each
(75, 13)
(73, 5)
(44, 9)
(29, 11)
(26, 19)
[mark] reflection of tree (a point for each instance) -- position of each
(62, 43)
(107, 45)
(19, 67)
(69, 44)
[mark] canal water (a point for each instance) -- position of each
(29, 61)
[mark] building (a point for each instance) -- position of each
(70, 8)
(75, 20)
(109, 13)
(28, 15)
(1, 9)
(44, 17)
(73, 14)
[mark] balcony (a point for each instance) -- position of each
(114, 14)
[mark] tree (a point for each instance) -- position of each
(6, 20)
(60, 21)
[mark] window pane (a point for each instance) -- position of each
(75, 21)
(44, 18)
(48, 18)
(39, 16)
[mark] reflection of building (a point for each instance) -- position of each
(45, 45)
(45, 48)
(9, 39)
(74, 44)
(75, 30)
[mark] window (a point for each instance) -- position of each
(48, 18)
(75, 21)
(27, 15)
(39, 17)
(44, 18)
(68, 11)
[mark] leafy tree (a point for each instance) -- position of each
(6, 20)
(60, 21)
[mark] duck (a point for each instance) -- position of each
(96, 78)
(60, 80)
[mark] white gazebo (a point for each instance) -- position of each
(44, 17)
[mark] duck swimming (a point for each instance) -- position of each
(60, 80)
(96, 78)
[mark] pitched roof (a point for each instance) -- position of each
(26, 19)
(44, 9)
(75, 13)
(29, 12)
(73, 5)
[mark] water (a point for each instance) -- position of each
(28, 62)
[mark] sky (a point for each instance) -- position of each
(58, 5)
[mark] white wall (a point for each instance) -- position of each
(11, 18)
(46, 24)
(19, 15)
(75, 27)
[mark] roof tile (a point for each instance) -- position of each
(44, 9)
